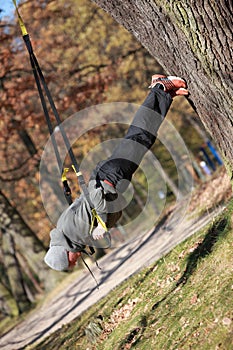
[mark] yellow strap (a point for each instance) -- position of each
(78, 173)
(21, 23)
(93, 211)
(99, 220)
(63, 177)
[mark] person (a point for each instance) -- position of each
(110, 179)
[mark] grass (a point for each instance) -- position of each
(183, 301)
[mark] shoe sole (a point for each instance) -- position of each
(172, 77)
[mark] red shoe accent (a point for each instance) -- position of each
(176, 86)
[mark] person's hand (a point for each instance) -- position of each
(72, 258)
(98, 232)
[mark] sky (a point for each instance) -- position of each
(7, 8)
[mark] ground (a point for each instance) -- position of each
(80, 293)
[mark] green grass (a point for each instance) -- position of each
(183, 301)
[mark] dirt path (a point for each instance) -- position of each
(82, 293)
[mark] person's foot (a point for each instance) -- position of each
(175, 86)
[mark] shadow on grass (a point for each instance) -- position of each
(202, 250)
(134, 336)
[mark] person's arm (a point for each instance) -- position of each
(100, 196)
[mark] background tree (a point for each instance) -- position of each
(192, 40)
(21, 261)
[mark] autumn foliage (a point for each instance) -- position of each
(82, 52)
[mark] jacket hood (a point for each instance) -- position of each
(58, 238)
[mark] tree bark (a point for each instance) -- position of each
(26, 242)
(192, 39)
(8, 305)
(14, 273)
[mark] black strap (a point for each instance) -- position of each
(40, 80)
(90, 256)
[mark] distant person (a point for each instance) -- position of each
(205, 168)
(110, 179)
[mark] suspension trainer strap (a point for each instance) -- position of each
(90, 256)
(40, 82)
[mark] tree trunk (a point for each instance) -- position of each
(192, 39)
(14, 273)
(26, 242)
(8, 306)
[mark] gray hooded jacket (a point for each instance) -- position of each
(74, 225)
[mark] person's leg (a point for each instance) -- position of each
(142, 132)
(113, 175)
(140, 137)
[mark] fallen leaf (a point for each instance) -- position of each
(194, 299)
(226, 321)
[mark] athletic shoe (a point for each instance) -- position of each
(175, 86)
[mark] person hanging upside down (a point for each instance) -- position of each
(110, 178)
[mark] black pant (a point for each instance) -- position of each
(141, 135)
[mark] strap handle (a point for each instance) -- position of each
(99, 220)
